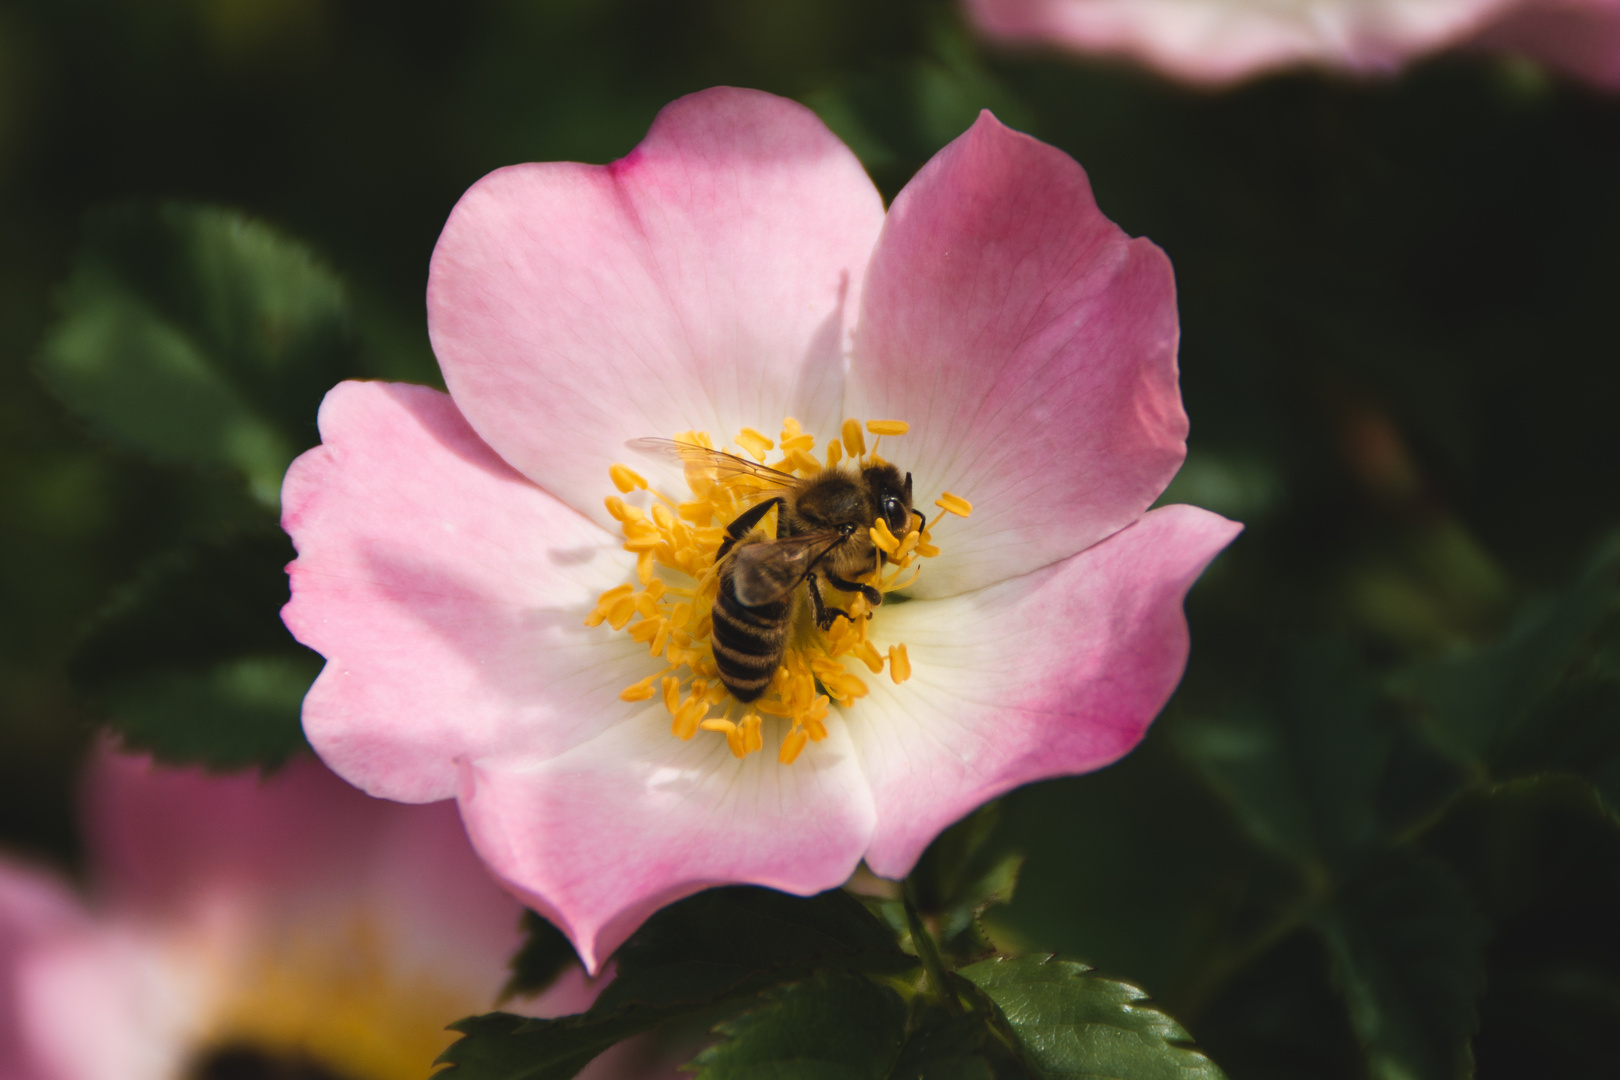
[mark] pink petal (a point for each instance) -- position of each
(1581, 37)
(448, 595)
(599, 838)
(1031, 345)
(1054, 673)
(108, 1003)
(704, 281)
(167, 842)
(34, 907)
(1218, 41)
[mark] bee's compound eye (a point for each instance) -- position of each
(895, 516)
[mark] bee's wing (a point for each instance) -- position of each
(768, 570)
(700, 461)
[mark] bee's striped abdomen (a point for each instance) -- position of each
(748, 641)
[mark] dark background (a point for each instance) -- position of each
(1399, 733)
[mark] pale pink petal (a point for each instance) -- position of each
(1581, 37)
(34, 907)
(448, 595)
(599, 838)
(1054, 673)
(109, 1003)
(1031, 346)
(705, 281)
(1218, 41)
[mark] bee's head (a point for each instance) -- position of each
(891, 496)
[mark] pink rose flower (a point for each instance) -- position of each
(1221, 41)
(737, 271)
(291, 917)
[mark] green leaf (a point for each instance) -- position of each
(200, 337)
(191, 662)
(832, 1027)
(1074, 1023)
(740, 940)
(942, 1046)
(500, 1046)
(957, 880)
(1408, 941)
(1300, 766)
(545, 954)
(717, 950)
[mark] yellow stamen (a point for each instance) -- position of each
(626, 480)
(954, 504)
(883, 538)
(754, 442)
(792, 745)
(899, 663)
(887, 427)
(854, 441)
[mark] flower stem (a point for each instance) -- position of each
(928, 952)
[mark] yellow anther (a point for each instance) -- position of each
(646, 605)
(644, 568)
(645, 630)
(663, 518)
(619, 612)
(640, 691)
(854, 441)
(954, 504)
(899, 663)
(835, 453)
(926, 550)
(792, 746)
(621, 510)
(625, 479)
(883, 538)
(656, 590)
(754, 442)
(684, 725)
(672, 693)
(753, 740)
(887, 427)
(799, 461)
(717, 724)
(867, 654)
(798, 442)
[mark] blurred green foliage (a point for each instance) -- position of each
(1375, 833)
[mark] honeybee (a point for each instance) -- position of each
(822, 534)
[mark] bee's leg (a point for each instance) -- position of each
(873, 597)
(824, 614)
(743, 525)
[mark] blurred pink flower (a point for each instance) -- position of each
(1220, 41)
(292, 917)
(1581, 37)
(735, 269)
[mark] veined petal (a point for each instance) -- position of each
(1216, 41)
(705, 281)
(448, 595)
(599, 838)
(1056, 672)
(1031, 345)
